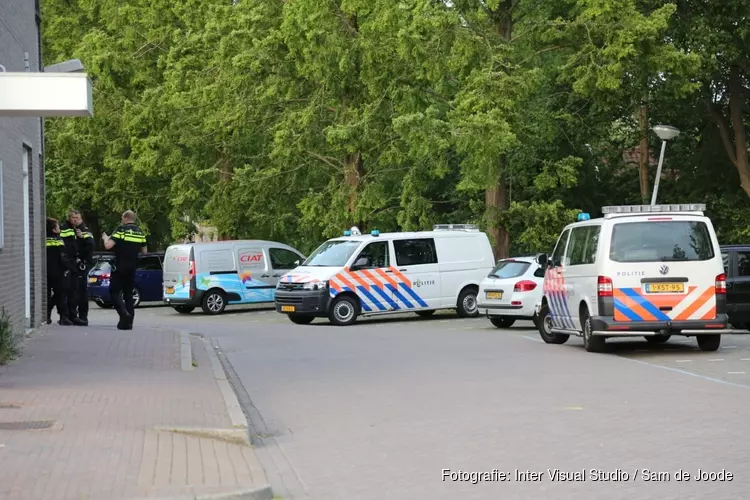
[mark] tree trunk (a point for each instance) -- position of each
(734, 140)
(354, 169)
(644, 156)
(496, 195)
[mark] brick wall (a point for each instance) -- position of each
(19, 35)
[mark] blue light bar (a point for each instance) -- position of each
(584, 216)
(375, 232)
(347, 233)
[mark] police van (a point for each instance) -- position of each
(641, 270)
(385, 273)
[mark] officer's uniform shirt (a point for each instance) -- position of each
(68, 235)
(57, 261)
(129, 239)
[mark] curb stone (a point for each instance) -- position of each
(260, 493)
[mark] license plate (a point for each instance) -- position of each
(495, 295)
(169, 290)
(287, 309)
(665, 287)
(92, 280)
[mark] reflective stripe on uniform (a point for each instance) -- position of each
(67, 233)
(130, 237)
(54, 242)
(86, 235)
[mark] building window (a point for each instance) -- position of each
(2, 209)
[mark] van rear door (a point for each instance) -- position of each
(663, 268)
(177, 276)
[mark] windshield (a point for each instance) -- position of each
(102, 266)
(509, 269)
(661, 242)
(332, 253)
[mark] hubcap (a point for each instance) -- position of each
(470, 303)
(343, 312)
(547, 324)
(136, 297)
(214, 302)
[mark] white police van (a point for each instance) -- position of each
(645, 270)
(387, 273)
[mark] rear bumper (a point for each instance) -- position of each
(100, 293)
(307, 302)
(195, 301)
(518, 311)
(606, 325)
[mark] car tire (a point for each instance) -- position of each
(301, 319)
(657, 339)
(710, 342)
(136, 297)
(502, 322)
(426, 314)
(592, 343)
(343, 311)
(104, 305)
(545, 328)
(214, 302)
(184, 309)
(467, 303)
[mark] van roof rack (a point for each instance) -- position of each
(455, 227)
(693, 208)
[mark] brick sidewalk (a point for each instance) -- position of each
(102, 394)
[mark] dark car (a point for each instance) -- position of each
(148, 278)
(737, 268)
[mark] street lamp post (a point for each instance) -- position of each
(665, 133)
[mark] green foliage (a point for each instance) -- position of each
(293, 120)
(9, 348)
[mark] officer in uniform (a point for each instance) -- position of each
(128, 241)
(58, 270)
(79, 243)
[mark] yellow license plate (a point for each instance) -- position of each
(169, 290)
(287, 309)
(495, 295)
(665, 287)
(92, 280)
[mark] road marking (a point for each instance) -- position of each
(685, 372)
(730, 347)
(744, 359)
(736, 373)
(531, 338)
(717, 359)
(574, 407)
(683, 361)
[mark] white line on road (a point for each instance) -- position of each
(531, 338)
(736, 373)
(683, 361)
(717, 359)
(685, 372)
(730, 347)
(744, 359)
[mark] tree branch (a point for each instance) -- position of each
(738, 124)
(726, 138)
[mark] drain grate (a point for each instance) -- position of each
(27, 425)
(8, 406)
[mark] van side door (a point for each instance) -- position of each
(253, 272)
(580, 272)
(738, 294)
(367, 276)
(417, 269)
(554, 285)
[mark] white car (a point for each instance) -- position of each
(511, 291)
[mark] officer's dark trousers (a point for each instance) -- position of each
(56, 296)
(121, 286)
(78, 295)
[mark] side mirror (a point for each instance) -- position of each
(542, 260)
(360, 263)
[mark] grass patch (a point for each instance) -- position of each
(9, 348)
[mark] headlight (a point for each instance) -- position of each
(320, 285)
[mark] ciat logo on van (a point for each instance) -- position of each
(251, 257)
(181, 258)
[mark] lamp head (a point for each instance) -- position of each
(665, 132)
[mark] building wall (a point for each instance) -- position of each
(19, 35)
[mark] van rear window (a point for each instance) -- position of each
(509, 269)
(661, 241)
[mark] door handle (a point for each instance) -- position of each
(264, 275)
(403, 269)
(388, 271)
(277, 276)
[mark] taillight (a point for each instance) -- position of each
(524, 286)
(721, 284)
(604, 286)
(104, 276)
(191, 270)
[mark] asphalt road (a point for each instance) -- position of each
(381, 409)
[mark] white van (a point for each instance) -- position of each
(650, 270)
(216, 274)
(386, 273)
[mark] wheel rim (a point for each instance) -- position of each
(586, 332)
(547, 325)
(136, 297)
(343, 312)
(214, 302)
(470, 303)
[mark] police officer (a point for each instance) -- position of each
(128, 241)
(58, 269)
(79, 244)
